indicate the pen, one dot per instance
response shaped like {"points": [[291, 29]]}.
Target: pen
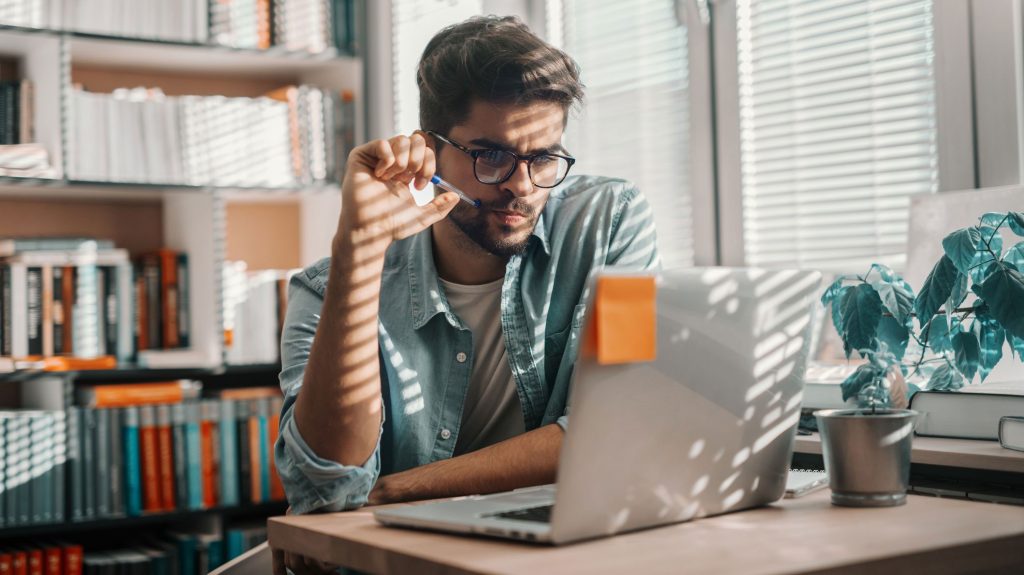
{"points": [[437, 181]]}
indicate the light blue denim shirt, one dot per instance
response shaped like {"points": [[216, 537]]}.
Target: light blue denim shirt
{"points": [[426, 352]]}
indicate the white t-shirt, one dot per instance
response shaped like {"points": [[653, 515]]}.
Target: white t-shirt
{"points": [[492, 411]]}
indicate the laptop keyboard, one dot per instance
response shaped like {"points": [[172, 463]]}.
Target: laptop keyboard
{"points": [[540, 514]]}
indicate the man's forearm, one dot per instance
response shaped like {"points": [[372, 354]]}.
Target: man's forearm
{"points": [[522, 461], [338, 410]]}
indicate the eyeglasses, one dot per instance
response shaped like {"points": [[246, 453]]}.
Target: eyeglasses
{"points": [[494, 166]]}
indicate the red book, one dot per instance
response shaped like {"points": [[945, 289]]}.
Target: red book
{"points": [[165, 456], [35, 562], [52, 560], [6, 563], [141, 313], [256, 486], [20, 563], [72, 559], [169, 296], [149, 457]]}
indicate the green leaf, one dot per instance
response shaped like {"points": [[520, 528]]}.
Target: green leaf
{"points": [[938, 335], [960, 246], [896, 294], [1016, 221], [1016, 344], [833, 291], [982, 266], [861, 378], [967, 352], [990, 337], [993, 219], [945, 378], [936, 290], [1015, 256], [862, 310], [895, 335], [1003, 291], [959, 293], [990, 239]]}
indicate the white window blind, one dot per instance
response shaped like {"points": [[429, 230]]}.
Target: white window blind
{"points": [[635, 124], [414, 23], [837, 119]]}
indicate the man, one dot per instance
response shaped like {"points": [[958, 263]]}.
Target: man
{"points": [[430, 355]]}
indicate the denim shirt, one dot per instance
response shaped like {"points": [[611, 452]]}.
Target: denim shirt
{"points": [[426, 352]]}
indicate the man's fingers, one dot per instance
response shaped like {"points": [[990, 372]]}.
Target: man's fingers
{"points": [[418, 219], [400, 149], [385, 157], [428, 169]]}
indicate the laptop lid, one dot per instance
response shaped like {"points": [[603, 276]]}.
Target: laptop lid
{"points": [[705, 428]]}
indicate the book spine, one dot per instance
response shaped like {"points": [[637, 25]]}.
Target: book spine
{"points": [[5, 311], [6, 563], [34, 287], [88, 462], [35, 562], [52, 560], [59, 494], [166, 456], [46, 321], [228, 453], [68, 302], [207, 437], [19, 564], [141, 309], [111, 310], [102, 467], [3, 470], [184, 314], [180, 455], [18, 308], [193, 452], [132, 461], [274, 429], [76, 485], [244, 460], [125, 313], [149, 457], [169, 297], [57, 291], [117, 475], [41, 457], [263, 459], [72, 559], [154, 303], [12, 435]]}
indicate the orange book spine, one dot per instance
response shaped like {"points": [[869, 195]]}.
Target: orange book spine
{"points": [[208, 472], [273, 430], [165, 457], [151, 499], [73, 559], [135, 394], [263, 24], [19, 565], [141, 314], [254, 459], [67, 286]]}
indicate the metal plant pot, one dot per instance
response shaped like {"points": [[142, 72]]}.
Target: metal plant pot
{"points": [[867, 455]]}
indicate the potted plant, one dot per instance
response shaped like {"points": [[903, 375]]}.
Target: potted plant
{"points": [[971, 304]]}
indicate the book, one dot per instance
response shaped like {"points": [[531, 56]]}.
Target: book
{"points": [[121, 395], [76, 483], [972, 413], [209, 431], [13, 246], [193, 454], [116, 476], [245, 472], [87, 434], [101, 465], [273, 431], [165, 457], [1011, 432], [149, 457], [180, 458], [228, 453], [132, 461]]}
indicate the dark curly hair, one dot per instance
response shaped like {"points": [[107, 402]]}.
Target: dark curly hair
{"points": [[493, 59]]}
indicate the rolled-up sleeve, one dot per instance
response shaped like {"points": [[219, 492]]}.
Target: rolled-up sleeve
{"points": [[311, 482]]}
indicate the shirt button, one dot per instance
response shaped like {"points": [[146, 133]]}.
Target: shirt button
{"points": [[460, 357], [445, 434]]}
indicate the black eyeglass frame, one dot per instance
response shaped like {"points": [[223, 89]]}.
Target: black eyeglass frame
{"points": [[519, 158]]}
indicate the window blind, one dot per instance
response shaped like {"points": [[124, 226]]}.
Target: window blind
{"points": [[635, 123], [414, 23], [837, 120]]}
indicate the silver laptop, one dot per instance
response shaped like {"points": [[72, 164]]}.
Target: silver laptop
{"points": [[706, 428]]}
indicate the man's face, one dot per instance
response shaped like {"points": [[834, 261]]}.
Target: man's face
{"points": [[509, 210]]}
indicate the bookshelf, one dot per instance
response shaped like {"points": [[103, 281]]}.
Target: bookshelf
{"points": [[284, 224]]}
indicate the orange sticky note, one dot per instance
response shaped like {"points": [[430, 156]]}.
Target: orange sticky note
{"points": [[624, 330]]}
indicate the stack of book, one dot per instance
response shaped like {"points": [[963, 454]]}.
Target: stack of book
{"points": [[178, 21], [255, 304], [65, 296], [39, 557], [142, 136], [241, 23], [303, 25], [157, 447], [32, 466], [81, 297]]}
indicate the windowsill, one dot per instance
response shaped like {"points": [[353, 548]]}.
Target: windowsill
{"points": [[966, 453]]}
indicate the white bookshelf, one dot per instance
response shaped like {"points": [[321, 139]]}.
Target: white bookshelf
{"points": [[193, 217]]}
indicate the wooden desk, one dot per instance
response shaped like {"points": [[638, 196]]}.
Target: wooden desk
{"points": [[806, 535], [966, 453]]}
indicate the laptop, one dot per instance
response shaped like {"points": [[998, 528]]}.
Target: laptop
{"points": [[705, 428]]}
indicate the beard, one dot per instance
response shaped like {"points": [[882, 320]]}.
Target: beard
{"points": [[503, 243]]}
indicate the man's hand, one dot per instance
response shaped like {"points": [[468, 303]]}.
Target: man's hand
{"points": [[376, 203]]}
